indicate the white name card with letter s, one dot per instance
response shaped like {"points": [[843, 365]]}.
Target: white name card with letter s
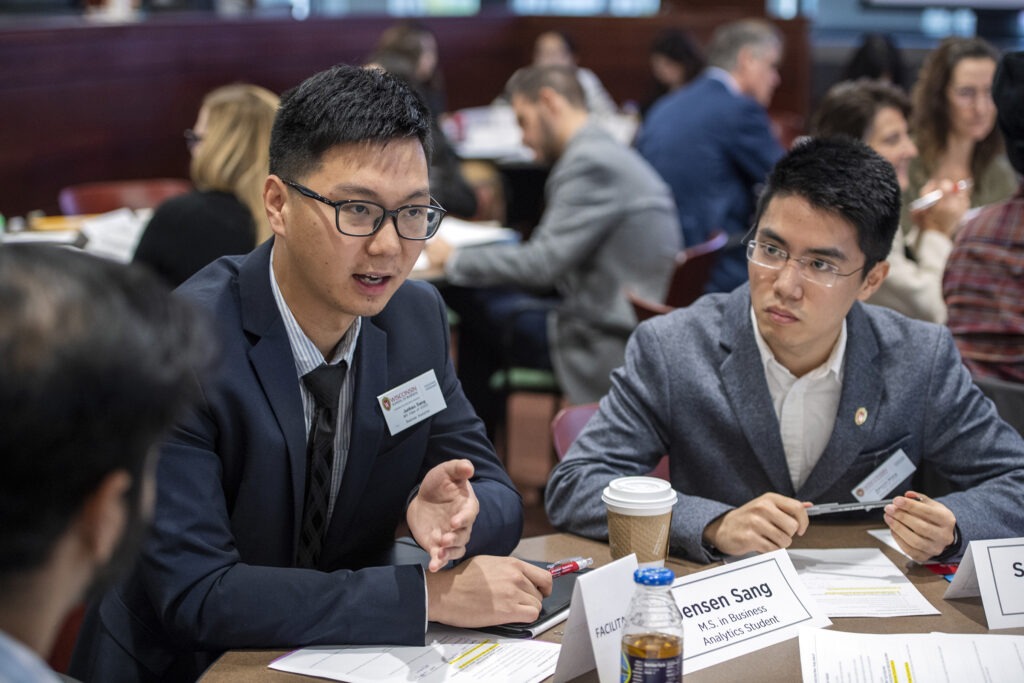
{"points": [[995, 570], [742, 607]]}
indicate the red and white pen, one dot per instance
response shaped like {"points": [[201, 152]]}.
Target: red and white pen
{"points": [[569, 566]]}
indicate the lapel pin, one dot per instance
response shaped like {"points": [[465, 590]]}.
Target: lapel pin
{"points": [[861, 416]]}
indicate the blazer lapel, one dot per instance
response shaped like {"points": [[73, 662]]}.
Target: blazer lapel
{"points": [[371, 368], [747, 390], [862, 392], [270, 356]]}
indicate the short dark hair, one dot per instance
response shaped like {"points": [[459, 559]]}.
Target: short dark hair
{"points": [[845, 177], [680, 47], [344, 105], [878, 58], [849, 108], [529, 81], [96, 360]]}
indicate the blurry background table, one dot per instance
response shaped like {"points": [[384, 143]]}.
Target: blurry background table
{"points": [[774, 664]]}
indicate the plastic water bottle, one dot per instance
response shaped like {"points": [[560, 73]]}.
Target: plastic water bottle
{"points": [[652, 643]]}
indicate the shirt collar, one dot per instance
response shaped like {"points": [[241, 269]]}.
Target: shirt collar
{"points": [[28, 663], [306, 354], [721, 75], [832, 365]]}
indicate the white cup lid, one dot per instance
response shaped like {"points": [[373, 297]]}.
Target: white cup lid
{"points": [[639, 493]]}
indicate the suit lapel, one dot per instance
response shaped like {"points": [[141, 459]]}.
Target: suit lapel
{"points": [[862, 392], [747, 389], [371, 368], [270, 355]]}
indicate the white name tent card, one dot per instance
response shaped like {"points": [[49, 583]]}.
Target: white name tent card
{"points": [[597, 614], [995, 570], [742, 607]]}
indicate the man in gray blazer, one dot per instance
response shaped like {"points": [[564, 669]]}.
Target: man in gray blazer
{"points": [[610, 222], [790, 391]]}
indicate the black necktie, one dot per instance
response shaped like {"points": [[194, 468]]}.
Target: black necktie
{"points": [[325, 384]]}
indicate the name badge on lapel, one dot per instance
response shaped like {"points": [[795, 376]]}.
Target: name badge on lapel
{"points": [[885, 478], [412, 402]]}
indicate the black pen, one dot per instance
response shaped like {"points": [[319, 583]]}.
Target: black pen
{"points": [[830, 508]]}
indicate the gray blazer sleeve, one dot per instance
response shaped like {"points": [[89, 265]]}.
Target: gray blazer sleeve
{"points": [[626, 437]]}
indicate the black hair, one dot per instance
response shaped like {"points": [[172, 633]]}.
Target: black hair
{"points": [[96, 360], [344, 105], [847, 178], [877, 58]]}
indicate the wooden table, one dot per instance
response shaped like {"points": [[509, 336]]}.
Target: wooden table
{"points": [[778, 663]]}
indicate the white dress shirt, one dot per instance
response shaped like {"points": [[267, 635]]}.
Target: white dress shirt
{"points": [[805, 406]]}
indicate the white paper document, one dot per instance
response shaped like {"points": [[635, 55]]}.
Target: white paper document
{"points": [[116, 234], [460, 233], [452, 655], [742, 607], [827, 656], [858, 582]]}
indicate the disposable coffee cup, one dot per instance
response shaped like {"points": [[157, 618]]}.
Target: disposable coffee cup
{"points": [[639, 518]]}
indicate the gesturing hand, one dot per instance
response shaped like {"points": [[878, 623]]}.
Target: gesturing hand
{"points": [[766, 523], [441, 515], [921, 526]]}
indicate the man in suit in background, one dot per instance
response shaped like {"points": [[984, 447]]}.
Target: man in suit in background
{"points": [[713, 143], [262, 538], [790, 391], [96, 360], [609, 224]]}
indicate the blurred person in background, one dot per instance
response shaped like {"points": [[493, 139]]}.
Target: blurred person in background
{"points": [[954, 127], [675, 60], [984, 281], [876, 113], [224, 215], [712, 141], [557, 48], [417, 43], [447, 183], [877, 58]]}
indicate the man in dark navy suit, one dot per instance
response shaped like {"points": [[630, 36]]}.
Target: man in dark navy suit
{"points": [[264, 539], [713, 144]]}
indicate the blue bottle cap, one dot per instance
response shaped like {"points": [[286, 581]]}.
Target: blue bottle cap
{"points": [[654, 576]]}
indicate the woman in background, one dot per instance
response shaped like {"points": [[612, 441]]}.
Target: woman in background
{"points": [[230, 144], [876, 113], [415, 42], [954, 125], [675, 61]]}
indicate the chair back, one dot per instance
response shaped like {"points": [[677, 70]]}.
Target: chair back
{"points": [[645, 308], [568, 424], [1008, 397], [693, 270], [100, 197]]}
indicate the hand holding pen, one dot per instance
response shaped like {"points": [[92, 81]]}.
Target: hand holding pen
{"points": [[573, 564]]}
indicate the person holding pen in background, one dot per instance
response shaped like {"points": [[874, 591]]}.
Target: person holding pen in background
{"points": [[791, 391]]}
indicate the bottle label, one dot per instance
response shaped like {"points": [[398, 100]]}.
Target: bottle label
{"points": [[647, 670]]}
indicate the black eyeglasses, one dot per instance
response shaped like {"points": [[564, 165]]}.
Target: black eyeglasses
{"points": [[192, 138], [361, 218]]}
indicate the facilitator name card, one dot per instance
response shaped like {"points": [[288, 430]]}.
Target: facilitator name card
{"points": [[742, 607]]}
